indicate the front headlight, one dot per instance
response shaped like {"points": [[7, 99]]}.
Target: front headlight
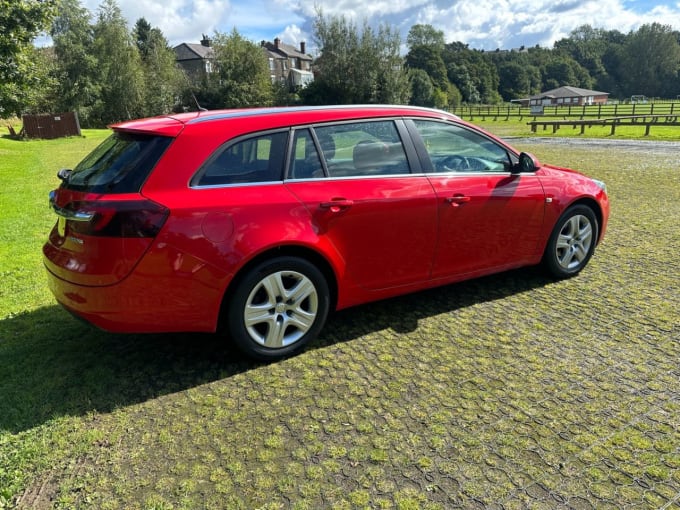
{"points": [[601, 185]]}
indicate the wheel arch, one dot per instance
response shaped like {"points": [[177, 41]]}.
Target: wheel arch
{"points": [[301, 252], [597, 210]]}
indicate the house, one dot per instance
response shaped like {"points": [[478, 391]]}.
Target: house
{"points": [[566, 96], [288, 64], [196, 59]]}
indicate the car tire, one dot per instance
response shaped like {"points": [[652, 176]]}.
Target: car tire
{"points": [[572, 242], [277, 308]]}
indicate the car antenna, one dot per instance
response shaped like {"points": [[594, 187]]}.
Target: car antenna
{"points": [[200, 108]]}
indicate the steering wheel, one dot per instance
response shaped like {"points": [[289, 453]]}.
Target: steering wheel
{"points": [[454, 163]]}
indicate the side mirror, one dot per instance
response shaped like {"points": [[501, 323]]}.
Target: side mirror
{"points": [[528, 163]]}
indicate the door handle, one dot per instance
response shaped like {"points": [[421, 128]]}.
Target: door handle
{"points": [[337, 204], [457, 200]]}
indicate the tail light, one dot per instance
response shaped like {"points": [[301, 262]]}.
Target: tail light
{"points": [[116, 218]]}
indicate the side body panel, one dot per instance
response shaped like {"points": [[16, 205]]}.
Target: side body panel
{"points": [[486, 222]]}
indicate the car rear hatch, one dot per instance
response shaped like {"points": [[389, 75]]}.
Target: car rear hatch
{"points": [[104, 224]]}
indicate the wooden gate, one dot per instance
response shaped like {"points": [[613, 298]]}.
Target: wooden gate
{"points": [[51, 126]]}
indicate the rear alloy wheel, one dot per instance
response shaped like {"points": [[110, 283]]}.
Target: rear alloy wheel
{"points": [[278, 307], [572, 242]]}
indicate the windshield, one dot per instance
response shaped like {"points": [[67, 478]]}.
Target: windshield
{"points": [[120, 164]]}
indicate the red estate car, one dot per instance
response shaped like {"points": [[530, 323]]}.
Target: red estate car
{"points": [[264, 220]]}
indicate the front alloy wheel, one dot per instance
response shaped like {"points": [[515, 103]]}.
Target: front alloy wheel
{"points": [[278, 307], [572, 242]]}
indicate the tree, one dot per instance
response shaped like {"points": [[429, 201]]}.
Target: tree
{"points": [[242, 72], [422, 90], [143, 35], [562, 71], [20, 76], [381, 55], [75, 70], [118, 68], [652, 61], [460, 76], [426, 46], [516, 79], [472, 72], [429, 59], [163, 81], [356, 66], [425, 35]]}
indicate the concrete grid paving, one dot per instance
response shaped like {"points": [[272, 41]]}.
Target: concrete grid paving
{"points": [[508, 392]]}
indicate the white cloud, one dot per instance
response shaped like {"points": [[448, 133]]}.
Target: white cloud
{"points": [[483, 24]]}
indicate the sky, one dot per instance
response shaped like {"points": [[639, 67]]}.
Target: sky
{"points": [[482, 24]]}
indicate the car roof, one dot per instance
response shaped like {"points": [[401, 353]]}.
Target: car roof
{"points": [[173, 124]]}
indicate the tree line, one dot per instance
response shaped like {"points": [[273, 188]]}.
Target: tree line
{"points": [[107, 71]]}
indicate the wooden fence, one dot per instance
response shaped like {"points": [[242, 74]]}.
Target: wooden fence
{"points": [[600, 111], [629, 120], [51, 126]]}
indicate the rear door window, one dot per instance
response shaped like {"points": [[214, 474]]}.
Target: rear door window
{"points": [[362, 149], [304, 159], [120, 164]]}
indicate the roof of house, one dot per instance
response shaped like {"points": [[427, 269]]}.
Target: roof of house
{"points": [[569, 92], [272, 54], [284, 50], [203, 52]]}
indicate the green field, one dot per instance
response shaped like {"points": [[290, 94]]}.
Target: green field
{"points": [[511, 391]]}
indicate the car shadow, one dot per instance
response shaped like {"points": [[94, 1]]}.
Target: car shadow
{"points": [[53, 365], [402, 314]]}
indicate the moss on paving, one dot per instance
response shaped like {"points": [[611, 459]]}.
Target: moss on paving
{"points": [[511, 391]]}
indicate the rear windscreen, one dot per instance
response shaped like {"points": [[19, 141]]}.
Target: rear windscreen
{"points": [[120, 164]]}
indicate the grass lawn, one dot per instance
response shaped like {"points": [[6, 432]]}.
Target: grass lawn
{"points": [[509, 391]]}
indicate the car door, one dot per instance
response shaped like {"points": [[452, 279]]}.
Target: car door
{"points": [[488, 217], [362, 196]]}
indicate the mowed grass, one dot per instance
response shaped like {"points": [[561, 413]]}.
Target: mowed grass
{"points": [[511, 390], [28, 171]]}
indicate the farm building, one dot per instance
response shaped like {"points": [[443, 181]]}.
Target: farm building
{"points": [[567, 96]]}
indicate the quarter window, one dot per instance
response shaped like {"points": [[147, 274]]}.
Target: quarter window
{"points": [[251, 160], [362, 149], [456, 149]]}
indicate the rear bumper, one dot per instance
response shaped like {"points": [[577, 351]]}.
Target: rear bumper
{"points": [[146, 301]]}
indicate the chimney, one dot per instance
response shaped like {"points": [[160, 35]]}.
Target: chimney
{"points": [[303, 47], [205, 41], [277, 41]]}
